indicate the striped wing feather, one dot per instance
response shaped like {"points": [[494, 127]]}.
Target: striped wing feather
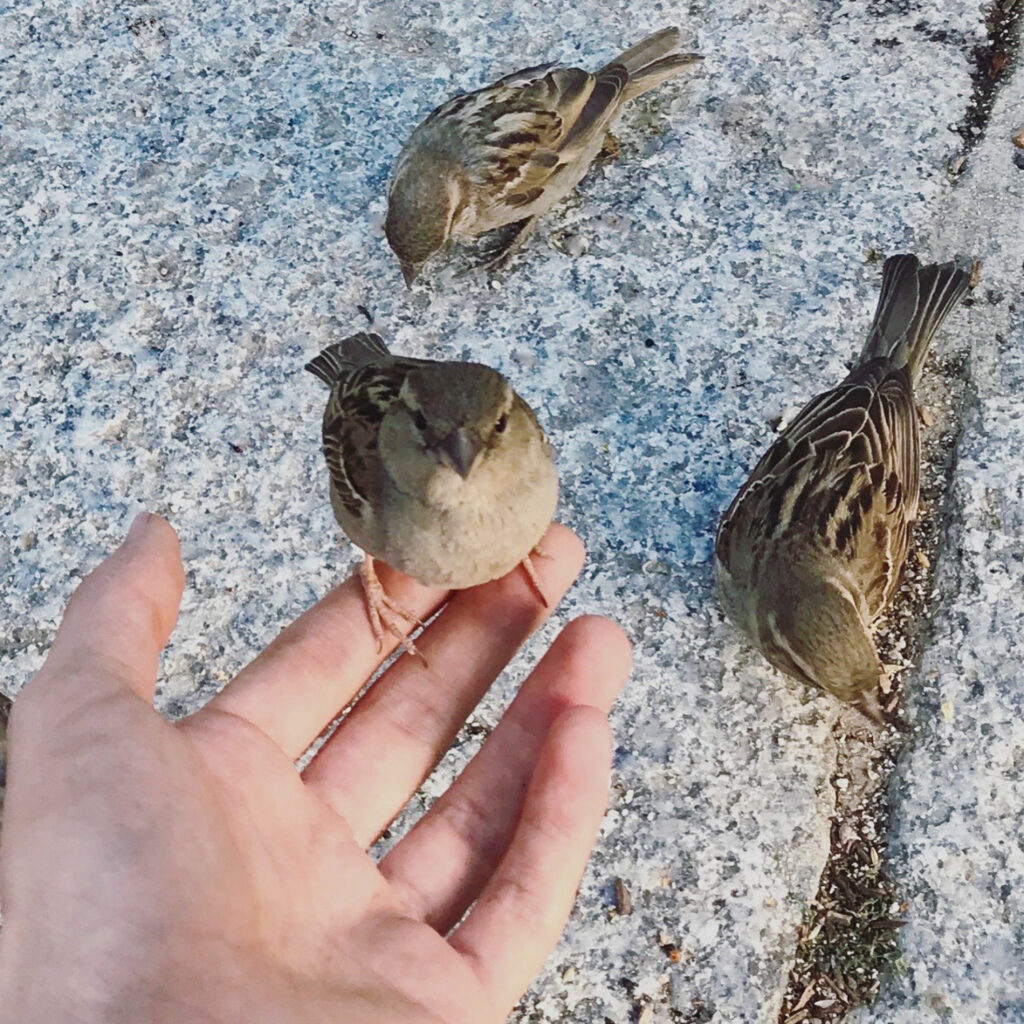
{"points": [[355, 409], [843, 478], [518, 133]]}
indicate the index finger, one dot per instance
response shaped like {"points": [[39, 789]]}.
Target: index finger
{"points": [[116, 623], [318, 663]]}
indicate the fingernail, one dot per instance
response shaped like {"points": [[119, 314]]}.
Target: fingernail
{"points": [[138, 527]]}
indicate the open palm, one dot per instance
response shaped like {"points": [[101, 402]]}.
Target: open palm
{"points": [[172, 872]]}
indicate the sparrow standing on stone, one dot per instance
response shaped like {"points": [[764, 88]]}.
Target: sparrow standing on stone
{"points": [[437, 468], [810, 550], [503, 155]]}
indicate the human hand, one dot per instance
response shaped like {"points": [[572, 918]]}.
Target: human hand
{"points": [[188, 872]]}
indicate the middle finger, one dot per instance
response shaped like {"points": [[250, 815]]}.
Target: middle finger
{"points": [[396, 733]]}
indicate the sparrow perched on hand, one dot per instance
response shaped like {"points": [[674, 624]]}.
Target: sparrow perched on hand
{"points": [[810, 550], [506, 153], [438, 468]]}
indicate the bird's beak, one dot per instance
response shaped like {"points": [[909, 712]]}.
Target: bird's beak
{"points": [[410, 271], [460, 450]]}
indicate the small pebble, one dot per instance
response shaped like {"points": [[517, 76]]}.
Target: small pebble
{"points": [[623, 898], [576, 246]]}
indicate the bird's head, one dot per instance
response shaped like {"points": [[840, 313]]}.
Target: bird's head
{"points": [[813, 629], [457, 432], [423, 201]]}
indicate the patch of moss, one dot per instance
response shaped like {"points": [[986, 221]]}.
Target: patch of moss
{"points": [[849, 941]]}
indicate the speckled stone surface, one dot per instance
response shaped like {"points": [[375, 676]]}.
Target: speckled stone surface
{"points": [[958, 837], [191, 206]]}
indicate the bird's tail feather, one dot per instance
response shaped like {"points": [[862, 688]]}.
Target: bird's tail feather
{"points": [[340, 359], [640, 68], [651, 48], [914, 301], [651, 61]]}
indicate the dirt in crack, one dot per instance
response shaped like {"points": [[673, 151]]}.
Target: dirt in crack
{"points": [[994, 62], [849, 940], [849, 944]]}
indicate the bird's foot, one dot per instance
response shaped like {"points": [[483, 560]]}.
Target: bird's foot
{"points": [[504, 243], [380, 610], [531, 573], [542, 552], [611, 148]]}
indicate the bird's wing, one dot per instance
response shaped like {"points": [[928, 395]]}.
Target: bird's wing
{"points": [[515, 136], [355, 410], [844, 476]]}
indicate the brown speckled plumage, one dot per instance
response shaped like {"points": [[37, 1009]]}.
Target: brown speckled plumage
{"points": [[810, 551], [438, 468], [502, 155]]}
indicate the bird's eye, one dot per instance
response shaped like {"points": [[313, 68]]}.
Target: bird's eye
{"points": [[420, 420], [499, 427]]}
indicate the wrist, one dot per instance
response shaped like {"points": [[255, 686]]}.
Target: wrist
{"points": [[41, 985], [35, 990]]}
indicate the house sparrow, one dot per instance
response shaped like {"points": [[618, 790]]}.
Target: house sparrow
{"points": [[810, 550], [503, 155], [438, 468]]}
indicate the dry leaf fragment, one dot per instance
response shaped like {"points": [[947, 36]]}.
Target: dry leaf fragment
{"points": [[623, 899], [805, 998], [889, 673]]}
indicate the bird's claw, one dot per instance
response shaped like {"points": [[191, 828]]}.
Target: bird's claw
{"points": [[531, 574], [378, 607]]}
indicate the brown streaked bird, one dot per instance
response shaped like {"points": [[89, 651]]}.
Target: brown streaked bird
{"points": [[438, 469], [809, 553], [501, 156]]}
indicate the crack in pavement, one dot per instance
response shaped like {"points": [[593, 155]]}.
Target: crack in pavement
{"points": [[849, 919]]}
